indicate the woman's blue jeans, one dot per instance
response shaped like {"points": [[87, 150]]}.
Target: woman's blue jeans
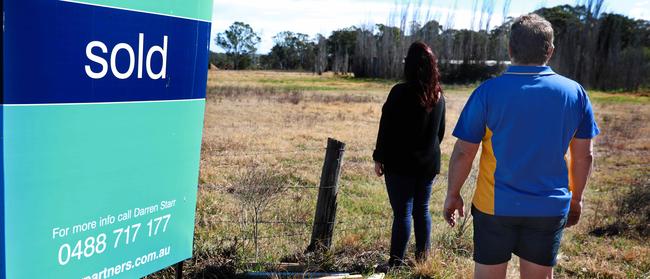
{"points": [[409, 197]]}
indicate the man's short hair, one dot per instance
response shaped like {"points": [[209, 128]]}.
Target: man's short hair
{"points": [[531, 38]]}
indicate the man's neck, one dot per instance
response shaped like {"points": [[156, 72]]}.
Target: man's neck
{"points": [[528, 65]]}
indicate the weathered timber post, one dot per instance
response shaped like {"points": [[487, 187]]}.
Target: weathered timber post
{"points": [[325, 218], [179, 270]]}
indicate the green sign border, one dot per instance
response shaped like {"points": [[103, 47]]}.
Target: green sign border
{"points": [[202, 10]]}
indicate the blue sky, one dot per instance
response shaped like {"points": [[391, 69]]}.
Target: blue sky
{"points": [[268, 17]]}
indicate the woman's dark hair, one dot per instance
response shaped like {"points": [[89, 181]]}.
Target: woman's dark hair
{"points": [[421, 67]]}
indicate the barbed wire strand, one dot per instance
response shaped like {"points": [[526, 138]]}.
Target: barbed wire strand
{"points": [[346, 226], [276, 152]]}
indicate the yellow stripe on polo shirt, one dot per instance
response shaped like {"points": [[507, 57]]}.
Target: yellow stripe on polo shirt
{"points": [[568, 166], [484, 195]]}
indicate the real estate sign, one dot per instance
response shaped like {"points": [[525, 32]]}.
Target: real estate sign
{"points": [[101, 121]]}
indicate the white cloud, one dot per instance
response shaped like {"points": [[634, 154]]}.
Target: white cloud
{"points": [[268, 17], [309, 17], [641, 10], [323, 16]]}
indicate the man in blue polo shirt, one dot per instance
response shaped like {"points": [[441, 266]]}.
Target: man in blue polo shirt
{"points": [[527, 190]]}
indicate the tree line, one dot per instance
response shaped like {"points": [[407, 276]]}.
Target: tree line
{"points": [[605, 51]]}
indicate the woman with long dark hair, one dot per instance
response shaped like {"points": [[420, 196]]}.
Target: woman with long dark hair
{"points": [[408, 150]]}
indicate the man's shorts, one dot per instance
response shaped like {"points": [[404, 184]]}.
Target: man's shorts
{"points": [[535, 239]]}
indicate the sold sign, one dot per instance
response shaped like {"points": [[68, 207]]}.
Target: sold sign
{"points": [[124, 47], [101, 135]]}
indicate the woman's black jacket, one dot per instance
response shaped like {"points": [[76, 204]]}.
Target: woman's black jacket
{"points": [[408, 142]]}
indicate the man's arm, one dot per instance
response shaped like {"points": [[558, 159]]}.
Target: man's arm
{"points": [[580, 169], [460, 166]]}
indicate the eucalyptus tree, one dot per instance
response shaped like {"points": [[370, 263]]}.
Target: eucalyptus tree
{"points": [[240, 43]]}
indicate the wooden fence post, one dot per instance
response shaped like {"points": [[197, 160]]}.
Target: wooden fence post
{"points": [[179, 270], [325, 218]]}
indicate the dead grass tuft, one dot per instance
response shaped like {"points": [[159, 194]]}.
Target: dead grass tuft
{"points": [[633, 214], [266, 93]]}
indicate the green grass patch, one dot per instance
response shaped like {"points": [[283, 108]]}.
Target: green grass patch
{"points": [[619, 98]]}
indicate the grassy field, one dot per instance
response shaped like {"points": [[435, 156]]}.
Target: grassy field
{"points": [[275, 125]]}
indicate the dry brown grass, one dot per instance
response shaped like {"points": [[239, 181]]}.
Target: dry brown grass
{"points": [[282, 121], [611, 240]]}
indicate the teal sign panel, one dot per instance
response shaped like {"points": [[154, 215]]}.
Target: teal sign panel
{"points": [[101, 119]]}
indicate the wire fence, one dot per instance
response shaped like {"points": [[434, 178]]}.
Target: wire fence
{"points": [[289, 228], [305, 235], [234, 160]]}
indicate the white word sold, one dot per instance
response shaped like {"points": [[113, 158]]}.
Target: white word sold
{"points": [[97, 46]]}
